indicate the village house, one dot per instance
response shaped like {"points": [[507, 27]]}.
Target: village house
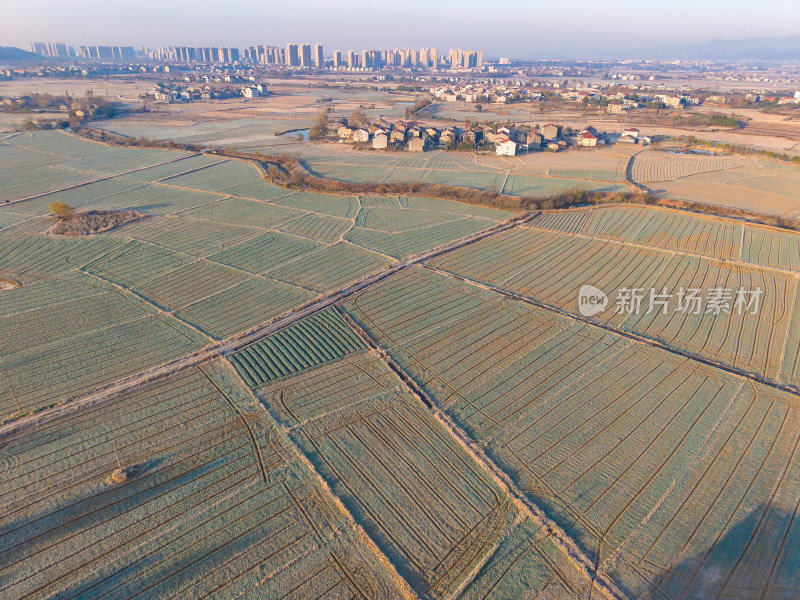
{"points": [[492, 137], [416, 144], [474, 136], [588, 137], [532, 139], [380, 141], [506, 147], [432, 133], [361, 135], [450, 136], [551, 132], [629, 135], [397, 136], [344, 132]]}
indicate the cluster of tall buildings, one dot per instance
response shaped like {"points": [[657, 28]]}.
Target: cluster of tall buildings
{"points": [[50, 49], [377, 59], [61, 50], [466, 59], [292, 55], [191, 54], [306, 55]]}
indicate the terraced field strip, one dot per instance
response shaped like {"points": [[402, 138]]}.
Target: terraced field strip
{"points": [[652, 166], [85, 182], [657, 227], [327, 389], [436, 515], [64, 369], [41, 257]]}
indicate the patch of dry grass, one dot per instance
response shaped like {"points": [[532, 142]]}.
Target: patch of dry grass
{"points": [[94, 221]]}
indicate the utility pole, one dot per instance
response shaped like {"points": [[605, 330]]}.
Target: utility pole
{"points": [[13, 393], [119, 464]]}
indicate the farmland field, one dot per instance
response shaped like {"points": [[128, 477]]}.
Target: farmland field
{"points": [[219, 504], [654, 465], [216, 236], [423, 499], [260, 392], [761, 343]]}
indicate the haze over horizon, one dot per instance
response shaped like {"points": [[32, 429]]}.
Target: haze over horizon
{"points": [[515, 28]]}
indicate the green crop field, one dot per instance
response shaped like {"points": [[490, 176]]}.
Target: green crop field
{"points": [[58, 370], [418, 494], [407, 243], [335, 206], [656, 469], [523, 262], [243, 306], [312, 342], [219, 506], [397, 219], [318, 227], [265, 252], [652, 166], [330, 268], [303, 408]]}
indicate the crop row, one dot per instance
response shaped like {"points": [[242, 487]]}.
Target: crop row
{"points": [[216, 177], [661, 166], [668, 471], [419, 495], [330, 268], [34, 328], [177, 166], [454, 208], [243, 212], [335, 206], [198, 237], [404, 244], [395, 219], [136, 262], [65, 288], [739, 334], [205, 515], [528, 561], [266, 252], [327, 388], [191, 283], [243, 306], [318, 227], [663, 229], [37, 377], [771, 248], [312, 342], [41, 257], [526, 185]]}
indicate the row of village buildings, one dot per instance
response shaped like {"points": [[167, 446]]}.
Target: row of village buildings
{"points": [[417, 137], [500, 93]]}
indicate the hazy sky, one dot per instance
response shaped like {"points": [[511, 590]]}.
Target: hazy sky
{"points": [[499, 27]]}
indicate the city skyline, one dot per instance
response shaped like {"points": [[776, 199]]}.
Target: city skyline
{"points": [[574, 26]]}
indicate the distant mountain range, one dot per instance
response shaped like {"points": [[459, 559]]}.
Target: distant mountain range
{"points": [[771, 48], [10, 54]]}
